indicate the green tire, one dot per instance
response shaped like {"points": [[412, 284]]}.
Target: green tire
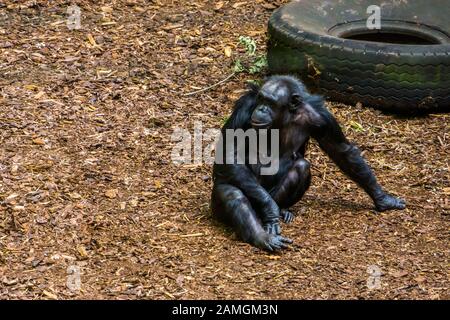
{"points": [[402, 67]]}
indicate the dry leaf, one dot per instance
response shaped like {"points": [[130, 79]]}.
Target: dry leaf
{"points": [[11, 198], [107, 9], [238, 4], [50, 295], [39, 141], [228, 52], [82, 251], [91, 40], [111, 193], [14, 168], [172, 26], [420, 279], [139, 9], [31, 87], [399, 274], [75, 195], [39, 95], [269, 6]]}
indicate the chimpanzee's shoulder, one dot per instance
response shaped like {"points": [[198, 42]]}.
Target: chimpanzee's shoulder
{"points": [[318, 104]]}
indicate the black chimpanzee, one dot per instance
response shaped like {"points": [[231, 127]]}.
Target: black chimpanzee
{"points": [[254, 203]]}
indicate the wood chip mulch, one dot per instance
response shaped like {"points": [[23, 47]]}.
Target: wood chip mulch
{"points": [[86, 118]]}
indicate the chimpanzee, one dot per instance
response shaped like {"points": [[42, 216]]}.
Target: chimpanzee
{"points": [[254, 203]]}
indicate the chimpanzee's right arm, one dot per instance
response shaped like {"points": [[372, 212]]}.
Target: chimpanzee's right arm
{"points": [[240, 175]]}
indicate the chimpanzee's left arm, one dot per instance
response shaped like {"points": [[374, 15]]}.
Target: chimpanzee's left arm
{"points": [[349, 159]]}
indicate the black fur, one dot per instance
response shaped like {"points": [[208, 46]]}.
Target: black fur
{"points": [[253, 203]]}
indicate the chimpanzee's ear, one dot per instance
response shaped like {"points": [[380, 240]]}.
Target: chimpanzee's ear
{"points": [[296, 102]]}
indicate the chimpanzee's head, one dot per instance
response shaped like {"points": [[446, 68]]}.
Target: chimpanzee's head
{"points": [[278, 102]]}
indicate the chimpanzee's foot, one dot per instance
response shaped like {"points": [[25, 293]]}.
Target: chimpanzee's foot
{"points": [[287, 215], [388, 202], [271, 242]]}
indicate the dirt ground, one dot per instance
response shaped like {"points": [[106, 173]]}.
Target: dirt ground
{"points": [[87, 181]]}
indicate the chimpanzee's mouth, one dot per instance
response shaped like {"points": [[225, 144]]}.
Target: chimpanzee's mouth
{"points": [[260, 125]]}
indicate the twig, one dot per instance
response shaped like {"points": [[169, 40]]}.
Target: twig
{"points": [[212, 86]]}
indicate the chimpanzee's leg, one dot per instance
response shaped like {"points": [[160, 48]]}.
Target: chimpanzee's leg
{"points": [[292, 187], [232, 206]]}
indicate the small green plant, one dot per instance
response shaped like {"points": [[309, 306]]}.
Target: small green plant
{"points": [[238, 67], [259, 65], [250, 62], [249, 43], [356, 126], [224, 120]]}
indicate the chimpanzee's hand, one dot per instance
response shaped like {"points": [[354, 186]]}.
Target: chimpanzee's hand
{"points": [[388, 202], [271, 242], [287, 216], [272, 228]]}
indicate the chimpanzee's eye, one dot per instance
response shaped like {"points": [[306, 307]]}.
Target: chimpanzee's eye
{"points": [[296, 99]]}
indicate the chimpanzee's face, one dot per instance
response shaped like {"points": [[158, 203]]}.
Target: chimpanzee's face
{"points": [[277, 104]]}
